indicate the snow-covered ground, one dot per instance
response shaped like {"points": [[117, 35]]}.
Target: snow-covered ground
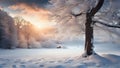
{"points": [[70, 57]]}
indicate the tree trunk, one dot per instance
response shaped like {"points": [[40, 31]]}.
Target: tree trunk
{"points": [[88, 35], [89, 28]]}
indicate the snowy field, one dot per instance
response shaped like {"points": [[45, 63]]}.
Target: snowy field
{"points": [[70, 57]]}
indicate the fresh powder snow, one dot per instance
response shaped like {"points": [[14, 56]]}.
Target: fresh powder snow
{"points": [[107, 56]]}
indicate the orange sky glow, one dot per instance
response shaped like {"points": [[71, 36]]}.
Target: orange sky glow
{"points": [[37, 16]]}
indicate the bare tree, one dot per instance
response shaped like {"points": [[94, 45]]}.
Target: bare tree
{"points": [[19, 23], [85, 8], [89, 28], [23, 28], [27, 32]]}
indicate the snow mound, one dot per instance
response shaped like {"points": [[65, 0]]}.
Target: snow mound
{"points": [[97, 60], [112, 58]]}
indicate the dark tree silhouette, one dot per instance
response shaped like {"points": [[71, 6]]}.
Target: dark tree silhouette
{"points": [[67, 11], [89, 28]]}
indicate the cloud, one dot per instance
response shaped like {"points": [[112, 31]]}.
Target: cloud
{"points": [[39, 3], [33, 14]]}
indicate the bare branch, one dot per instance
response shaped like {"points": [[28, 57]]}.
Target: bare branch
{"points": [[97, 8], [108, 25], [76, 15]]}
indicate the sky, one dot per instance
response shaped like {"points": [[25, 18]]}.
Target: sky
{"points": [[31, 10], [34, 11]]}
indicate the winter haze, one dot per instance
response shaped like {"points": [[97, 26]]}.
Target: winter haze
{"points": [[59, 33]]}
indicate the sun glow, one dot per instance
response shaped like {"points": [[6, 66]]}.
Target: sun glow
{"points": [[37, 16], [40, 23], [43, 24]]}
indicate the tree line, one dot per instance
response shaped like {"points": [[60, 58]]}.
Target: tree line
{"points": [[18, 33]]}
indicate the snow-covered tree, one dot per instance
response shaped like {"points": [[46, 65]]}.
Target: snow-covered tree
{"points": [[8, 34], [30, 36], [24, 29], [83, 13]]}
